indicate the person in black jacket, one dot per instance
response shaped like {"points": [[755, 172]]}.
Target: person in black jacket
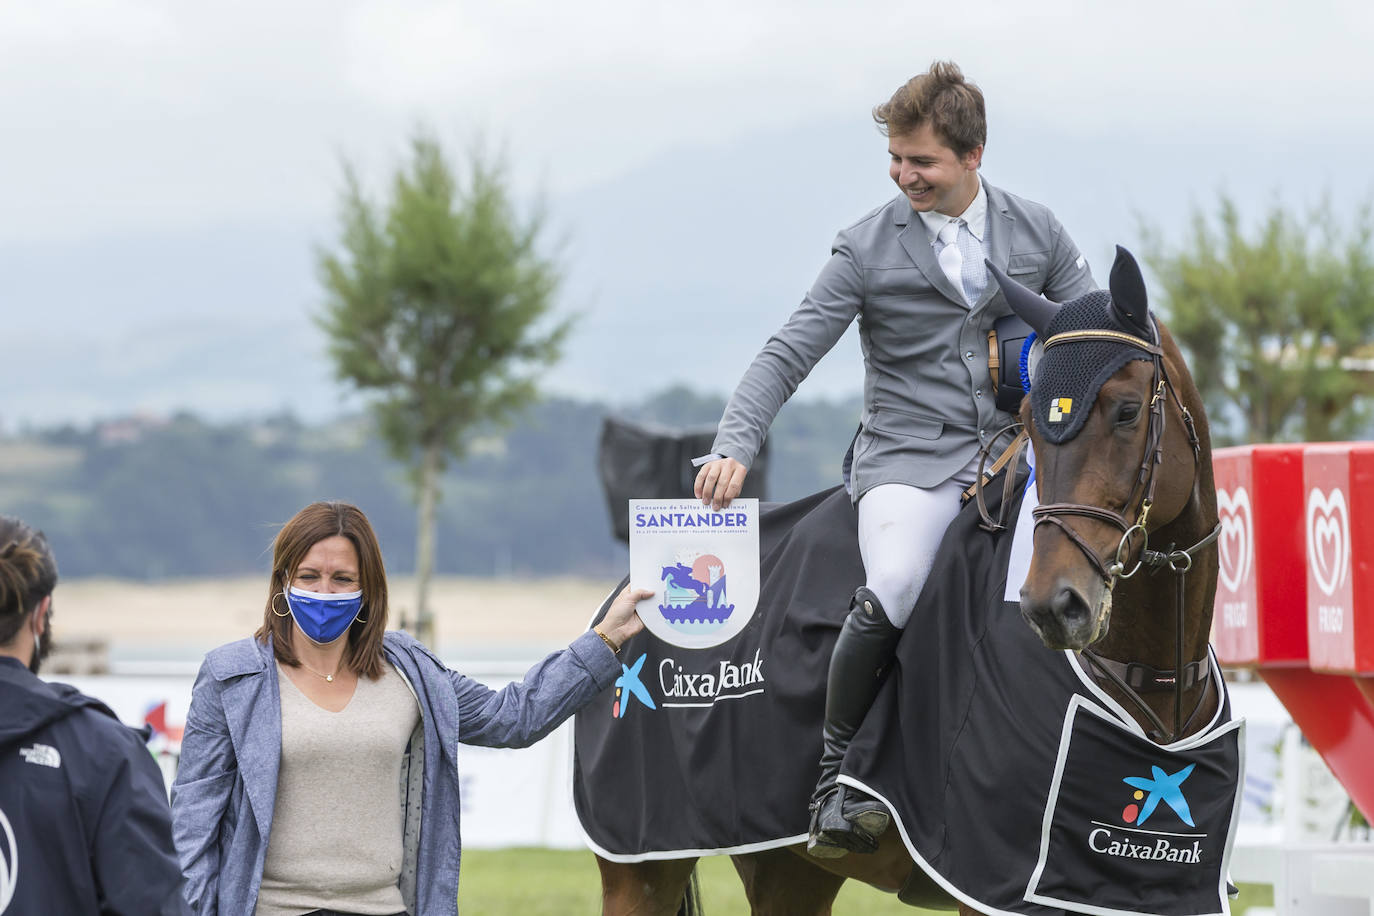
{"points": [[84, 822]]}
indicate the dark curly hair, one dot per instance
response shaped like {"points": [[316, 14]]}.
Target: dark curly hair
{"points": [[28, 574]]}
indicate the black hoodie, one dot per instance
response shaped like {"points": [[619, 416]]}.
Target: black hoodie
{"points": [[84, 823]]}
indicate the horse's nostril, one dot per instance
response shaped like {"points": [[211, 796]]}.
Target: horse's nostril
{"points": [[1069, 607]]}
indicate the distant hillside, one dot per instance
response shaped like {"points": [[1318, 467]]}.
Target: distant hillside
{"points": [[157, 498]]}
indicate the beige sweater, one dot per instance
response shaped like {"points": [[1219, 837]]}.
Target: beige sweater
{"points": [[336, 827]]}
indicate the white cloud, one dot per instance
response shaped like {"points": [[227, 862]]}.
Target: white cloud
{"points": [[141, 121], [160, 113]]}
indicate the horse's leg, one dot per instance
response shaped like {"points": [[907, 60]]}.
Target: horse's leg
{"points": [[653, 888], [886, 869], [779, 883]]}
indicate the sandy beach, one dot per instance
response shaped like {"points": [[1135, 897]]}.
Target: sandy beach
{"points": [[474, 618]]}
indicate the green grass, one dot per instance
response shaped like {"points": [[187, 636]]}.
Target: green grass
{"points": [[549, 882]]}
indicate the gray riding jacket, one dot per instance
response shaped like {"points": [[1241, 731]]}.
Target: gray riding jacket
{"points": [[928, 404]]}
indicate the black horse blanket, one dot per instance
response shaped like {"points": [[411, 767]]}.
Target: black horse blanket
{"points": [[1017, 785]]}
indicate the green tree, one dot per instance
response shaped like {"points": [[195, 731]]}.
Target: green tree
{"points": [[438, 308], [1276, 320]]}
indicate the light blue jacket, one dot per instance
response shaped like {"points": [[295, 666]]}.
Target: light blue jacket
{"points": [[226, 785]]}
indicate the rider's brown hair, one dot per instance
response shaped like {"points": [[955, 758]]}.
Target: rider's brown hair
{"points": [[942, 98]]}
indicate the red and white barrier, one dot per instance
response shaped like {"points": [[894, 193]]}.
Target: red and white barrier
{"points": [[1295, 604]]}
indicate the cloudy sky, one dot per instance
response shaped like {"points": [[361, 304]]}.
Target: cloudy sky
{"points": [[170, 169]]}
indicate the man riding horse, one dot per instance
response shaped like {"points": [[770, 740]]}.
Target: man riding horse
{"points": [[1064, 767], [926, 306]]}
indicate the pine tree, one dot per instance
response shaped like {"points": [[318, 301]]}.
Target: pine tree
{"points": [[439, 310]]}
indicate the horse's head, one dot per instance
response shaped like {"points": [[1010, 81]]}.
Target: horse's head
{"points": [[1108, 467]]}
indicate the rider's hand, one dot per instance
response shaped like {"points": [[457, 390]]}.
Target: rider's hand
{"points": [[719, 481], [622, 620]]}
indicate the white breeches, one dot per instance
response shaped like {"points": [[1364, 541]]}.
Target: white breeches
{"points": [[900, 528]]}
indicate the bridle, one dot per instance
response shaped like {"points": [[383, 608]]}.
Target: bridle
{"points": [[1179, 561], [1055, 513]]}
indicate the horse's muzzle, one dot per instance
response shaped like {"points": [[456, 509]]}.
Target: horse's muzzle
{"points": [[1066, 619]]}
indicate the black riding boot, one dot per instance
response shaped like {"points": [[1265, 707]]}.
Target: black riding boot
{"points": [[843, 820]]}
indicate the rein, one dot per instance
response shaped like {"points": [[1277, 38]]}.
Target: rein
{"points": [[1148, 679], [1183, 676]]}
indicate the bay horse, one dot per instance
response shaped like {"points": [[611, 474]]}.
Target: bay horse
{"points": [[1120, 574]]}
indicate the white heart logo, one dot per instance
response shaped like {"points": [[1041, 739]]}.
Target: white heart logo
{"points": [[1328, 539], [1235, 547]]}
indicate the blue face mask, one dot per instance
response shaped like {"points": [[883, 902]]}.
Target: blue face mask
{"points": [[323, 617]]}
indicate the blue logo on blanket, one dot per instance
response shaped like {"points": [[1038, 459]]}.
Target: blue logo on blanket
{"points": [[1163, 788], [629, 685], [694, 598]]}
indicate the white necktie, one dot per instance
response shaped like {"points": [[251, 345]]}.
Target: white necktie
{"points": [[950, 258], [962, 260]]}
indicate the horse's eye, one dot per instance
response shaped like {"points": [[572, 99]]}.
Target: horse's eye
{"points": [[1127, 415]]}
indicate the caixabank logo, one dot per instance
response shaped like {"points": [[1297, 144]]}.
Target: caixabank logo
{"points": [[680, 686], [1130, 841], [630, 687], [1134, 827]]}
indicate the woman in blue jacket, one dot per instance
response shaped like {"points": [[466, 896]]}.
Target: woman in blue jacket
{"points": [[319, 764]]}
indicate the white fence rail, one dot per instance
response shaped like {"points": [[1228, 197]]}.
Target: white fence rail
{"points": [[1296, 833]]}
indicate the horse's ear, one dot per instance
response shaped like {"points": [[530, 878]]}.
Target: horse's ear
{"points": [[1034, 310], [1129, 304]]}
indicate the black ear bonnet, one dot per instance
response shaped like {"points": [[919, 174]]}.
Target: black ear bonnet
{"points": [[1066, 379]]}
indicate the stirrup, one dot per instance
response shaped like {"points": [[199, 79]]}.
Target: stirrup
{"points": [[819, 843], [834, 834], [873, 819]]}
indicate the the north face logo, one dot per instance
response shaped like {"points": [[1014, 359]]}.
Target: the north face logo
{"points": [[42, 754]]}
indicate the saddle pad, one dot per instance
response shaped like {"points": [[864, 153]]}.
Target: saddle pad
{"points": [[965, 739], [715, 750], [1131, 826]]}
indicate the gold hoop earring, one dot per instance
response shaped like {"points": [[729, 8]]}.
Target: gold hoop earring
{"points": [[360, 619], [274, 605]]}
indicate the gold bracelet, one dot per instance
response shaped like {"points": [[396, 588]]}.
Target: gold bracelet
{"points": [[615, 650]]}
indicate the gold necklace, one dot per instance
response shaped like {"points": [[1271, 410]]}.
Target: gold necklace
{"points": [[327, 677]]}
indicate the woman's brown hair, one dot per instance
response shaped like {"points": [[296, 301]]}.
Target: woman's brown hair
{"points": [[311, 525]]}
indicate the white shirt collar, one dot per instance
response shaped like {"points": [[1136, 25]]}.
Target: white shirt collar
{"points": [[976, 215]]}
